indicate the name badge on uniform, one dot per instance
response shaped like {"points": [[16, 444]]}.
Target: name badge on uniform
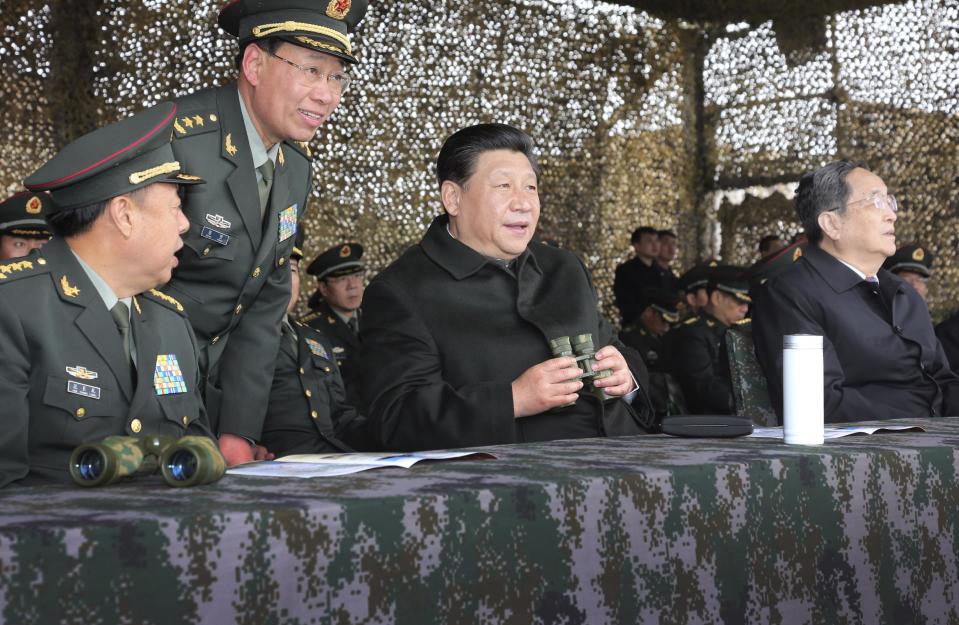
{"points": [[218, 221], [84, 390], [167, 378], [287, 223], [317, 349], [215, 235]]}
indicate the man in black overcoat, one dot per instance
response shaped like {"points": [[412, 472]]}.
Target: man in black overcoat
{"points": [[882, 359]]}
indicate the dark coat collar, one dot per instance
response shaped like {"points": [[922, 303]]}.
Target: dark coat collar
{"points": [[840, 277], [458, 259]]}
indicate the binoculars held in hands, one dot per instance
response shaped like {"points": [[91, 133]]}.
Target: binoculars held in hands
{"points": [[189, 461], [581, 348]]}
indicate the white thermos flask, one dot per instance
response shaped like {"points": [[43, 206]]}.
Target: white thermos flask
{"points": [[802, 389]]}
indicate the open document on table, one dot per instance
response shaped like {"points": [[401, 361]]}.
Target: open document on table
{"points": [[327, 465], [838, 431]]}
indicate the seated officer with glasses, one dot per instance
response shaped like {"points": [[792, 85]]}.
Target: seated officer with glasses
{"points": [[249, 141], [340, 281], [881, 357]]}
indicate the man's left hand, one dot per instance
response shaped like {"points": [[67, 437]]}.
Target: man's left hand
{"points": [[621, 381]]}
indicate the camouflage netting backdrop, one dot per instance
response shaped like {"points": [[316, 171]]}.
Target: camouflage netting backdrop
{"points": [[699, 127]]}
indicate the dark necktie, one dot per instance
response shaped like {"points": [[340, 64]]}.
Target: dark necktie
{"points": [[266, 170], [354, 324], [121, 316]]}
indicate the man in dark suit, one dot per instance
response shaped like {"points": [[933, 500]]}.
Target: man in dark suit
{"points": [[90, 348], [340, 279], [308, 412], [22, 228], [456, 336], [697, 348], [881, 357], [249, 141], [638, 273]]}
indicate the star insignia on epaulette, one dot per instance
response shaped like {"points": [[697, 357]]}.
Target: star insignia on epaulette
{"points": [[188, 122], [18, 265], [690, 321], [197, 120], [68, 289], [228, 144], [330, 320]]}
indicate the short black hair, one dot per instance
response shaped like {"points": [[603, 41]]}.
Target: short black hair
{"points": [[666, 233], [69, 223], [766, 240], [270, 44], [823, 190], [639, 232], [460, 152]]}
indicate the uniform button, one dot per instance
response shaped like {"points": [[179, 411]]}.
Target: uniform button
{"points": [[81, 412], [41, 261], [281, 261], [302, 372], [214, 340], [327, 369], [136, 426], [898, 330], [314, 414], [206, 251], [186, 420], [308, 393], [256, 272], [238, 309]]}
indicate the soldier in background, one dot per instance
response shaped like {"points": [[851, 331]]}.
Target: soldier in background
{"points": [[307, 412], [692, 284], [340, 281], [659, 314], [637, 273], [912, 263], [22, 228], [698, 349], [667, 253]]}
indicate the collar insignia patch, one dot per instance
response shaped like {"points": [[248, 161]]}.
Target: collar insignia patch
{"points": [[68, 290]]}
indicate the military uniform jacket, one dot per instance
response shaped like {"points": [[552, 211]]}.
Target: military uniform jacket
{"points": [[446, 331], [666, 398], [63, 374], [307, 410], [232, 278], [701, 365], [881, 357], [346, 344], [630, 279]]}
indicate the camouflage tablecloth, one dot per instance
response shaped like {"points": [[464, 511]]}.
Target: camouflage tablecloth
{"points": [[631, 530]]}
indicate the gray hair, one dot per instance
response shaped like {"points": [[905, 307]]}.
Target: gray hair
{"points": [[821, 191]]}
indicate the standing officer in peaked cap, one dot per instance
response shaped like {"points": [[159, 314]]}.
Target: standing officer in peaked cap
{"points": [[249, 141], [698, 348], [340, 276], [90, 348], [22, 227]]}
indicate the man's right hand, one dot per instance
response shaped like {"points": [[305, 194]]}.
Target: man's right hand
{"points": [[547, 385], [235, 449]]}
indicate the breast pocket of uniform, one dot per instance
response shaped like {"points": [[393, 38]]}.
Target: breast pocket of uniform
{"points": [[180, 409], [212, 241], [88, 409]]}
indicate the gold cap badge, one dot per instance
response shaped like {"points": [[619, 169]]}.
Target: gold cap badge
{"points": [[345, 251], [337, 9], [918, 255], [34, 205]]}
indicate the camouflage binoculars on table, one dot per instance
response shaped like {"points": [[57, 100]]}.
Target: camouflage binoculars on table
{"points": [[189, 461], [581, 348]]}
